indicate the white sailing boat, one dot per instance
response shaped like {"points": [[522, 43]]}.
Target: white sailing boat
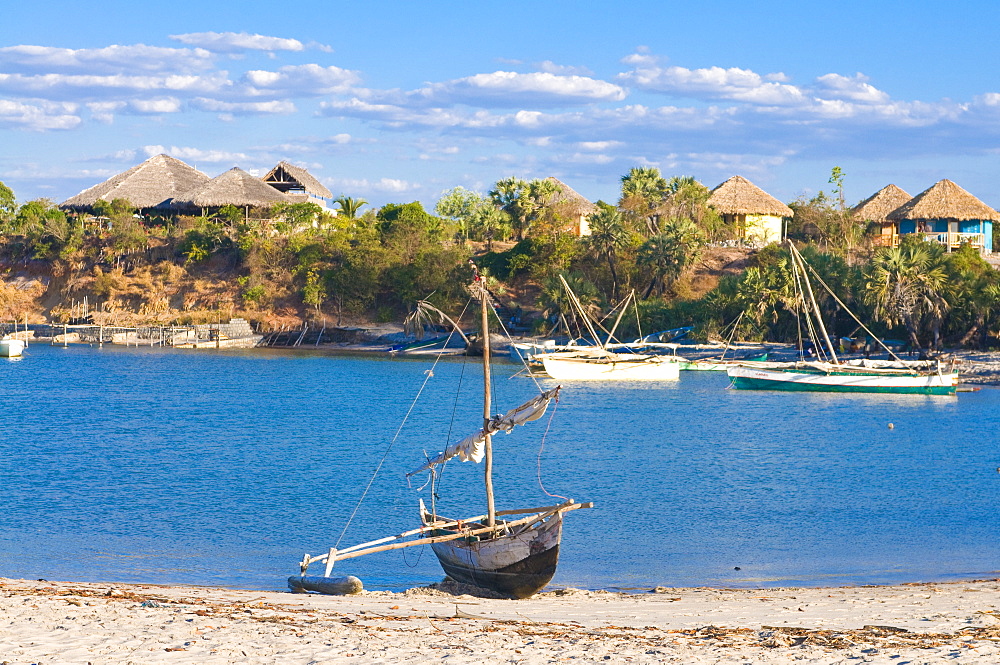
{"points": [[511, 552], [11, 347], [601, 363], [829, 374]]}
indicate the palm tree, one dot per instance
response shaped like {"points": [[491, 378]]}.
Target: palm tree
{"points": [[349, 206], [643, 188], [608, 234], [905, 284], [669, 253], [557, 306], [489, 223], [510, 195]]}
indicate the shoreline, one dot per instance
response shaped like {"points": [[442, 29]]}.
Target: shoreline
{"points": [[68, 622]]}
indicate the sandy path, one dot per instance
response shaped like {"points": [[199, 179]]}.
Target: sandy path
{"points": [[49, 622]]}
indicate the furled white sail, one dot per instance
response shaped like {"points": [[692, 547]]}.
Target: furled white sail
{"points": [[473, 447]]}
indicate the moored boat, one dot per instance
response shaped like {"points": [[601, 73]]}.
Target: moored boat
{"points": [[510, 552], [837, 377], [829, 373], [11, 347]]}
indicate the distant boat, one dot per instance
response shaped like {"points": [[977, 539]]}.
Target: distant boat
{"points": [[609, 362], [602, 365], [516, 556], [11, 347], [829, 374], [720, 364]]}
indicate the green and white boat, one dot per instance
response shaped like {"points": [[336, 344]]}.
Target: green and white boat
{"points": [[828, 373], [843, 378]]}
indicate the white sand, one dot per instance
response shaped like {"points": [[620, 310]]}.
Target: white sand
{"points": [[69, 623]]}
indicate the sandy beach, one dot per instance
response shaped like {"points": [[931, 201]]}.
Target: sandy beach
{"points": [[66, 622]]}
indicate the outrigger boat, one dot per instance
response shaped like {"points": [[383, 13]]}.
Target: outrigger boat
{"points": [[609, 362], [511, 552], [829, 374]]}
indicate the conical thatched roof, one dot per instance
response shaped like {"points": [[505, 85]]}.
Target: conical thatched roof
{"points": [[285, 176], [876, 208], [945, 200], [570, 198], [234, 187], [151, 184], [739, 196]]}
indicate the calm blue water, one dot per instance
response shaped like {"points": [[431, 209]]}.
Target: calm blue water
{"points": [[223, 468]]}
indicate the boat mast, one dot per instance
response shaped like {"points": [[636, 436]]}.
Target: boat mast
{"points": [[484, 335], [799, 264]]}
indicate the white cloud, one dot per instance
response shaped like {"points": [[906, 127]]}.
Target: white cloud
{"points": [[196, 154], [245, 108], [38, 116], [714, 83], [855, 88], [511, 89], [104, 111], [552, 68], [300, 80], [109, 59], [382, 185], [84, 85], [599, 146], [163, 105], [234, 42]]}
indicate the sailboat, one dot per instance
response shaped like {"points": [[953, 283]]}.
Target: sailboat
{"points": [[832, 375], [510, 552], [603, 363]]}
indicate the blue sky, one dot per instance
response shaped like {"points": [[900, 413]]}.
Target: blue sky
{"points": [[399, 101]]}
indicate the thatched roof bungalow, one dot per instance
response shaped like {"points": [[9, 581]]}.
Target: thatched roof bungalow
{"points": [[757, 215], [570, 203], [298, 183], [235, 187], [947, 214], [876, 208], [151, 185]]}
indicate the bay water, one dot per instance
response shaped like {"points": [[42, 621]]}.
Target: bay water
{"points": [[224, 467]]}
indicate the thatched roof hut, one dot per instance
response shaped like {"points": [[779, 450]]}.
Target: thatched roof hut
{"points": [[570, 198], [945, 200], [152, 184], [739, 196], [234, 187], [876, 208], [572, 204], [287, 178]]}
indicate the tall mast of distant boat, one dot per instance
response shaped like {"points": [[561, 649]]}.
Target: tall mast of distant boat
{"points": [[484, 336]]}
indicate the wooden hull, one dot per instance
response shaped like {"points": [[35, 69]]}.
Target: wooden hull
{"points": [[639, 368], [842, 380], [516, 565]]}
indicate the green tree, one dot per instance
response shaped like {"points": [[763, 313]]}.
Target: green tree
{"points": [[511, 196], [8, 206], [349, 206], [558, 308], [666, 255], [460, 205], [905, 285], [643, 189], [608, 235]]}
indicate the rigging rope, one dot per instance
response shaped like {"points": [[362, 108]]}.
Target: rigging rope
{"points": [[428, 375], [541, 447]]}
